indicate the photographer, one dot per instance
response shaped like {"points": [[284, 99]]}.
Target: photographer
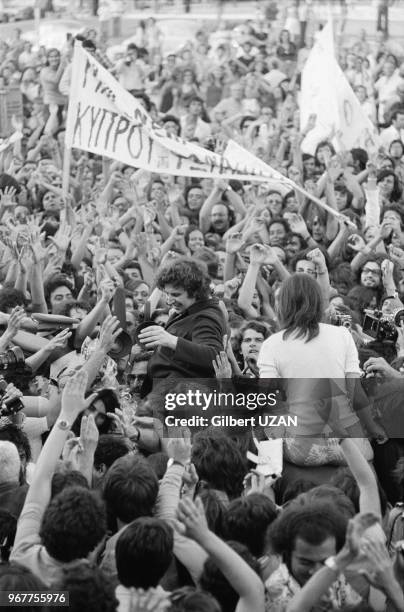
{"points": [[130, 71]]}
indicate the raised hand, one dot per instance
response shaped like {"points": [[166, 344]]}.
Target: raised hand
{"points": [[152, 600], [356, 242], [396, 254], [107, 290], [7, 197], [179, 449], [382, 574], [192, 519], [89, 434], [14, 322], [59, 341], [387, 273], [271, 256], [318, 258], [222, 366], [297, 224], [234, 243], [110, 330], [73, 396], [258, 254]]}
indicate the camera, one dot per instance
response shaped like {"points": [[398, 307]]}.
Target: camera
{"points": [[13, 359], [8, 405], [382, 327], [341, 320]]}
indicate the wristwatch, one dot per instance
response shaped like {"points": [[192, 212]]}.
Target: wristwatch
{"points": [[331, 564], [63, 424]]}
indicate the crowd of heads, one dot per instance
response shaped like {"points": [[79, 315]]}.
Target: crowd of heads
{"points": [[121, 528]]}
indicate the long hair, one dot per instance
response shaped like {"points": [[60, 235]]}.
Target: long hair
{"points": [[300, 307]]}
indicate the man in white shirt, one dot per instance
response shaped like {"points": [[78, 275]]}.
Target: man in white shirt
{"points": [[386, 86], [129, 71], [395, 131]]}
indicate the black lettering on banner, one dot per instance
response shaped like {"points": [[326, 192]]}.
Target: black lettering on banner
{"points": [[121, 128], [348, 112], [87, 69], [104, 112], [77, 125], [113, 117], [151, 146], [130, 136], [139, 117], [200, 169], [93, 122], [105, 91], [179, 162]]}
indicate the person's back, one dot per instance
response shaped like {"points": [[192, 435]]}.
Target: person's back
{"points": [[331, 354], [144, 552], [130, 492], [73, 524]]}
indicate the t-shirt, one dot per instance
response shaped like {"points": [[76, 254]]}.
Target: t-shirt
{"points": [[331, 354], [28, 549], [315, 371]]}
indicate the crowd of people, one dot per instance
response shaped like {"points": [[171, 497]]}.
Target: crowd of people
{"points": [[132, 285]]}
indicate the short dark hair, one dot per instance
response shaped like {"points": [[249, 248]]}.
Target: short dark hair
{"points": [[89, 589], [279, 221], [6, 180], [69, 478], [312, 522], [300, 307], [219, 462], [360, 155], [130, 488], [213, 581], [191, 599], [54, 283], [10, 298], [330, 494], [88, 44], [187, 274], [15, 577], [172, 119], [19, 438], [73, 524], [111, 447], [397, 191], [209, 258], [144, 552], [260, 328], [247, 520]]}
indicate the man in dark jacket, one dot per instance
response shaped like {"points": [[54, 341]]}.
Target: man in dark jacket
{"points": [[193, 336]]}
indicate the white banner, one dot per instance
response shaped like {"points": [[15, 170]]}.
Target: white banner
{"points": [[105, 119], [327, 93], [235, 153]]}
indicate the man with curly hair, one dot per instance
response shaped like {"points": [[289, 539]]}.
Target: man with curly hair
{"points": [[193, 336]]}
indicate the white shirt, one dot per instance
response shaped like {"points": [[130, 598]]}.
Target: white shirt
{"points": [[389, 134], [386, 88], [315, 371], [331, 354]]}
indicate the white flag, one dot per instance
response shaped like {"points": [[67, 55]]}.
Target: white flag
{"points": [[327, 93], [105, 119]]}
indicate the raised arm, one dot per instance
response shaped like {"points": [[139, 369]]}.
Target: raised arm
{"points": [[204, 214], [242, 578]]}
